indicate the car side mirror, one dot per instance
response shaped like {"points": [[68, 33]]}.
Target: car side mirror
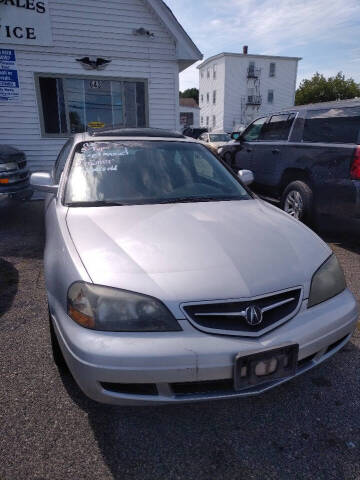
{"points": [[43, 182], [235, 136], [246, 176]]}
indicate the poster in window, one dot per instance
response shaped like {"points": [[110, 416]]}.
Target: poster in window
{"points": [[9, 77]]}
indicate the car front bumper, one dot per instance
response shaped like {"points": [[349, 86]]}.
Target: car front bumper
{"points": [[187, 366], [21, 188]]}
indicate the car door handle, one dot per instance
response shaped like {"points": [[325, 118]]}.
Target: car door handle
{"points": [[275, 150]]}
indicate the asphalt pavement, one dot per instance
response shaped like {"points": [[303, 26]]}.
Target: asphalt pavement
{"points": [[308, 428]]}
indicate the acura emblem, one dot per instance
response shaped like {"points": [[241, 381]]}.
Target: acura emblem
{"points": [[254, 315]]}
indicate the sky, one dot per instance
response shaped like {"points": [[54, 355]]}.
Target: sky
{"points": [[325, 33]]}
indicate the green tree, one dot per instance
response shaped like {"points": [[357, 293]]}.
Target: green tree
{"points": [[190, 93], [321, 89]]}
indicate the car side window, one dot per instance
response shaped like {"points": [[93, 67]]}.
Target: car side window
{"points": [[278, 128], [335, 125], [253, 131], [61, 160]]}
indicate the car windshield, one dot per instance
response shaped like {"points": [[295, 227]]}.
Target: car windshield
{"points": [[147, 172], [219, 137]]}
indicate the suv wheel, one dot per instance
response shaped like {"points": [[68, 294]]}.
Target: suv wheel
{"points": [[297, 200], [56, 350]]}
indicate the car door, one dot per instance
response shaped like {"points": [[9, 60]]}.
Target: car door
{"points": [[268, 151], [244, 149]]}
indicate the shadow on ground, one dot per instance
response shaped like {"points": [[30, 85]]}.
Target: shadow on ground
{"points": [[21, 229], [9, 280], [307, 425]]}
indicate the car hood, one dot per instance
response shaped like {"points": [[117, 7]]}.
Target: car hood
{"points": [[196, 251], [8, 153]]}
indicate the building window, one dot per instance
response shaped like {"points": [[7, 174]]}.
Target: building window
{"points": [[201, 98], [186, 118], [214, 120], [71, 105], [208, 73], [208, 97], [270, 96], [207, 121], [202, 120], [202, 74], [214, 72], [272, 69], [251, 70], [214, 97]]}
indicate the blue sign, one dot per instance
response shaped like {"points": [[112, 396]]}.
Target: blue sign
{"points": [[9, 79], [7, 55]]}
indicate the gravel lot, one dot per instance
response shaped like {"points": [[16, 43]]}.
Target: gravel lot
{"points": [[308, 428]]}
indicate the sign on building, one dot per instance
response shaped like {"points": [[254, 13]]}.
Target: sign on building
{"points": [[9, 78], [25, 22]]}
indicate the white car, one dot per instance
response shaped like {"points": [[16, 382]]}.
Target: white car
{"points": [[169, 281], [214, 140]]}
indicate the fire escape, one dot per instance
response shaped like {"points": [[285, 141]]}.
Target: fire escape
{"points": [[253, 97]]}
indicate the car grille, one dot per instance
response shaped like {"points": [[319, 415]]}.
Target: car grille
{"points": [[234, 317]]}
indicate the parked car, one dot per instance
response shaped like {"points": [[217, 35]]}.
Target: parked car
{"points": [[14, 174], [169, 281], [194, 132], [214, 140], [306, 158]]}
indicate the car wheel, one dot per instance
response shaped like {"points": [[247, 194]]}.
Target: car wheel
{"points": [[297, 201], [58, 357]]}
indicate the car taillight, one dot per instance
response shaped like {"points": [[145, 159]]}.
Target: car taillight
{"points": [[355, 167]]}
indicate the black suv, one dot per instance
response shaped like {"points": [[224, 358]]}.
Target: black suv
{"points": [[306, 158]]}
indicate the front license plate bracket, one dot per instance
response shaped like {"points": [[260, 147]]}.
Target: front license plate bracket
{"points": [[265, 366]]}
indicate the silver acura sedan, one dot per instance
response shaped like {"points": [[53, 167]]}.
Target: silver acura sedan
{"points": [[169, 281]]}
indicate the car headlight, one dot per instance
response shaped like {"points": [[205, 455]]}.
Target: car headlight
{"points": [[110, 309], [327, 281], [220, 149], [6, 167]]}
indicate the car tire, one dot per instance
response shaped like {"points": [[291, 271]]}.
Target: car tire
{"points": [[57, 354], [297, 201]]}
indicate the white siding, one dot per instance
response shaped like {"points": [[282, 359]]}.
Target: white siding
{"points": [[195, 111], [232, 87], [92, 28], [208, 85]]}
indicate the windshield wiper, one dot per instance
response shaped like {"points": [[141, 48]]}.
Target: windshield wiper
{"points": [[197, 199], [96, 203]]}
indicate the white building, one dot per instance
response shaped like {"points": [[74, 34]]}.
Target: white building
{"points": [[189, 113], [67, 64], [235, 88]]}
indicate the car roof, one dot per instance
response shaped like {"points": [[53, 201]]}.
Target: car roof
{"points": [[128, 134], [353, 102], [133, 132]]}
